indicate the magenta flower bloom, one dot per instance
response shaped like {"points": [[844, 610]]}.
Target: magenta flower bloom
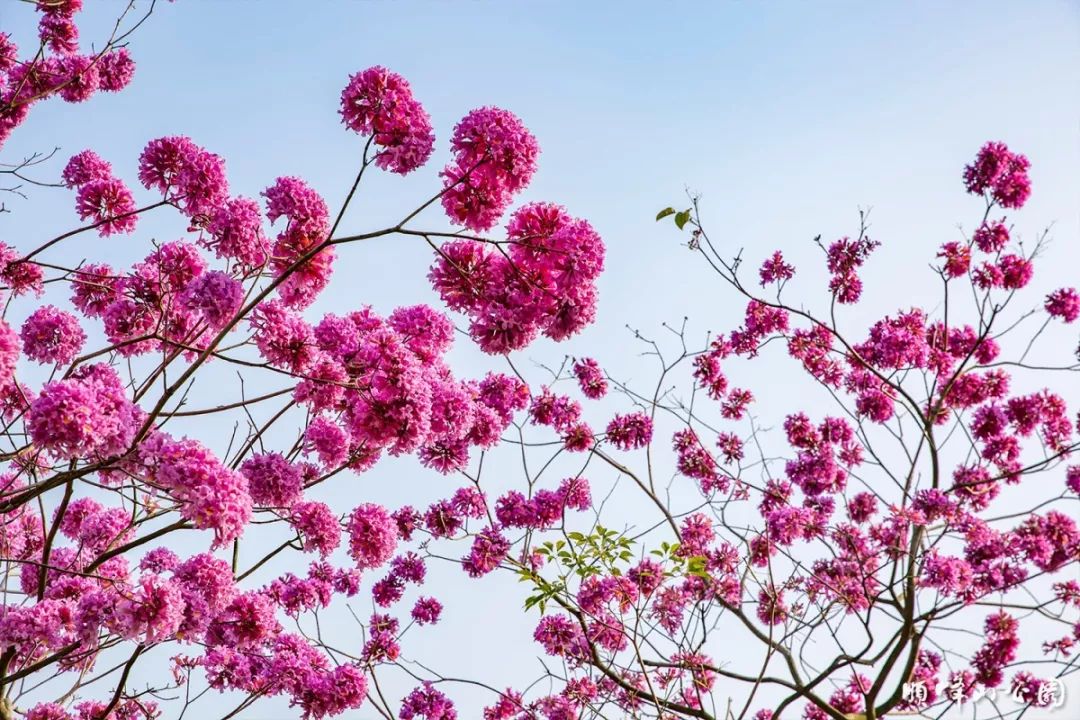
{"points": [[214, 296], [108, 202], [495, 157], [235, 230], [426, 611], [212, 496], [1064, 304], [51, 335], [775, 270], [78, 76], [184, 173], [116, 70], [380, 103], [319, 528], [628, 432], [88, 414], [272, 480], [372, 536], [85, 167], [10, 347], [590, 378], [1001, 174], [59, 33]]}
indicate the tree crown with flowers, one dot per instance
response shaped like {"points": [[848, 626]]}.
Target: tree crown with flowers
{"points": [[932, 497]]}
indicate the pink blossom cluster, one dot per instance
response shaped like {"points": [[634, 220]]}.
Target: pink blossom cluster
{"points": [[695, 461], [162, 302], [845, 257], [299, 248], [960, 557], [544, 283], [590, 378], [58, 68], [317, 525], [20, 276], [546, 508], [86, 415], [288, 664], [380, 384], [51, 335], [494, 158], [630, 431], [101, 198], [187, 175], [999, 174], [210, 495], [380, 103], [563, 415]]}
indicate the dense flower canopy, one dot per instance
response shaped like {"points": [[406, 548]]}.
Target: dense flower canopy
{"points": [[938, 485]]}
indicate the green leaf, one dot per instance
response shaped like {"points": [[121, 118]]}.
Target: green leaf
{"points": [[682, 218], [664, 213]]}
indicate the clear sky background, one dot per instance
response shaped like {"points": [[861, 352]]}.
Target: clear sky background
{"points": [[787, 117]]}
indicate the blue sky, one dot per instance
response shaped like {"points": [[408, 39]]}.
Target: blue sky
{"points": [[787, 117]]}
